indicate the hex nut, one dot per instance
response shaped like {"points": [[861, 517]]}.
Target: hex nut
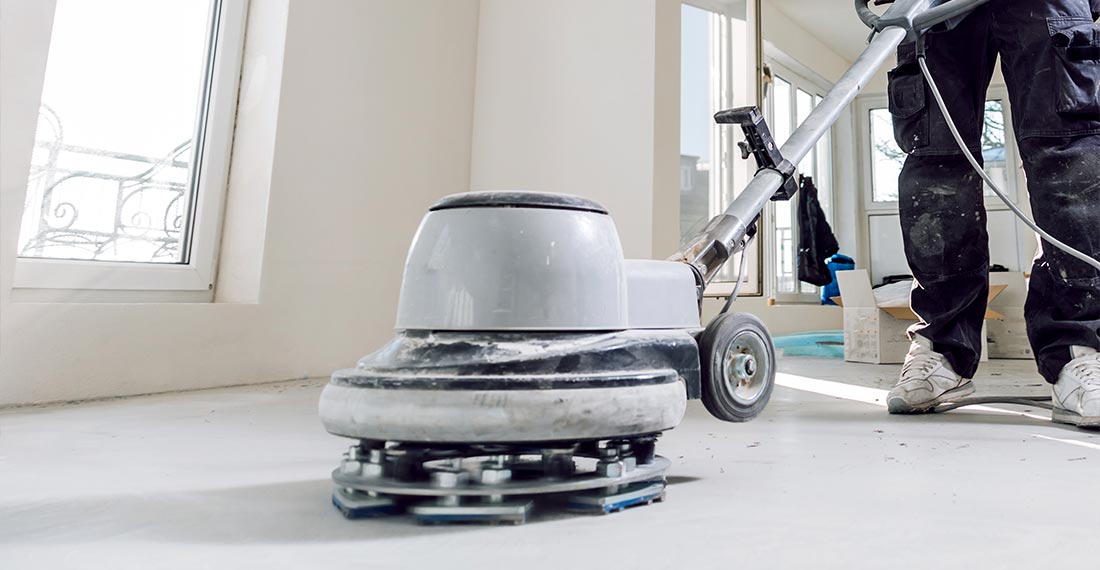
{"points": [[449, 479], [495, 476], [350, 467], [610, 468], [372, 470]]}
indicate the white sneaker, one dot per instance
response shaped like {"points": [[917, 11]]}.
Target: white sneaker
{"points": [[1077, 392], [927, 380]]}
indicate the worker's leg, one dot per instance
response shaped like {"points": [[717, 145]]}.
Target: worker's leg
{"points": [[940, 196], [1050, 53], [1063, 302]]}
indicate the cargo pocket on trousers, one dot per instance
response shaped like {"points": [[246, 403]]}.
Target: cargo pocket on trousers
{"points": [[1076, 43], [907, 102]]}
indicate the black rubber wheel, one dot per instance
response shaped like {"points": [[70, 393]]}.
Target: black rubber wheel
{"points": [[738, 366]]}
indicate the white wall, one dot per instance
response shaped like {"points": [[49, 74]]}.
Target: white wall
{"points": [[799, 43], [567, 101], [372, 123]]}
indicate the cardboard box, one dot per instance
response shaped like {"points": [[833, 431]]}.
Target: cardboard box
{"points": [[876, 320], [1007, 335]]}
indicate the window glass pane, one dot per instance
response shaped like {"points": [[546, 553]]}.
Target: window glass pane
{"points": [[112, 168], [823, 175], [804, 103], [696, 120], [781, 109], [784, 244], [886, 158], [783, 118], [824, 178], [993, 145], [715, 74]]}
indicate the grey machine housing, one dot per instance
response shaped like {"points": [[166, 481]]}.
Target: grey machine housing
{"points": [[519, 320]]}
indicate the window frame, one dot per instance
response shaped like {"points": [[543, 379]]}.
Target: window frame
{"points": [[214, 139], [800, 77]]}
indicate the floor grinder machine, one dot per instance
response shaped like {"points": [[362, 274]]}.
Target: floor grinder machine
{"points": [[533, 360]]}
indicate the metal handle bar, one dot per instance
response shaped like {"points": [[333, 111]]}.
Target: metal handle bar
{"points": [[914, 15]]}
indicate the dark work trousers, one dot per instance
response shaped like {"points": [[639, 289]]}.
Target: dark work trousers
{"points": [[1050, 58]]}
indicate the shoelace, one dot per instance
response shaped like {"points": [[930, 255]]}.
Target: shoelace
{"points": [[1088, 370], [920, 361]]}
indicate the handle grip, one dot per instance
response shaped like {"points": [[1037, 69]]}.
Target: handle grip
{"points": [[869, 18]]}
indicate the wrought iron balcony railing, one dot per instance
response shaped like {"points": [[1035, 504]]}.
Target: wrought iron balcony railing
{"points": [[99, 204]]}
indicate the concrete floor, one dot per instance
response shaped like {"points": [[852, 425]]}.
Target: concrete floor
{"points": [[238, 478]]}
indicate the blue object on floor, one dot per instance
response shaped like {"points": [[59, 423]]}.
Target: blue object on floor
{"points": [[829, 344], [835, 263]]}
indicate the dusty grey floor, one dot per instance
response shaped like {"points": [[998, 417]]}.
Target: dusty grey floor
{"points": [[238, 478]]}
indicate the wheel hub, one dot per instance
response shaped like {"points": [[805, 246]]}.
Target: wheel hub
{"points": [[746, 377], [743, 367]]}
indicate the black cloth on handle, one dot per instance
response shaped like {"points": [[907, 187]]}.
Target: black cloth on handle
{"points": [[816, 242]]}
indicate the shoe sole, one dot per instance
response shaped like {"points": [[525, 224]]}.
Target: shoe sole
{"points": [[900, 406], [1060, 416]]}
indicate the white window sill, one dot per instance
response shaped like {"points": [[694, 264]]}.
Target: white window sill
{"points": [[723, 289], [53, 280], [89, 296]]}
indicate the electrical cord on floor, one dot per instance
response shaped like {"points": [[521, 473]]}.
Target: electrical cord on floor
{"points": [[1036, 401], [1044, 402], [740, 277]]}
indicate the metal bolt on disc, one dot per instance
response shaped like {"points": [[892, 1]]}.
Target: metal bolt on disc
{"points": [[452, 483], [497, 484]]}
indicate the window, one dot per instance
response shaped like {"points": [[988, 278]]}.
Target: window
{"points": [[696, 110], [790, 99], [994, 150], [886, 158], [716, 71], [132, 146]]}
